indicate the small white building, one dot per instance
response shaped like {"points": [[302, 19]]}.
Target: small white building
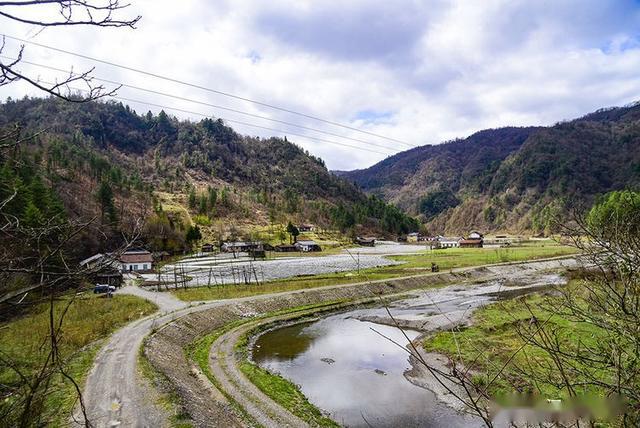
{"points": [[136, 260], [307, 246], [449, 242]]}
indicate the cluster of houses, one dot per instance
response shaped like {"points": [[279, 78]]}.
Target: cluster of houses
{"points": [[472, 240], [258, 247]]}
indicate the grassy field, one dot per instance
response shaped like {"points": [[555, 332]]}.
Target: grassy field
{"points": [[89, 320], [493, 341], [412, 265]]}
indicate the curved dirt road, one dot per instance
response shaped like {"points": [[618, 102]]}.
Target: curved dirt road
{"points": [[223, 365], [113, 394]]}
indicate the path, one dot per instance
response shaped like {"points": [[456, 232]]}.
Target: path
{"points": [[223, 364]]}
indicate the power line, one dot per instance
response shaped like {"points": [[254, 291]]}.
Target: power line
{"points": [[178, 97], [239, 122], [204, 88]]}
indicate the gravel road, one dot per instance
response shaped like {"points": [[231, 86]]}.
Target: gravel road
{"points": [[114, 394], [223, 365]]}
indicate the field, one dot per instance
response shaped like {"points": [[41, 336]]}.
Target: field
{"points": [[493, 348], [88, 320], [411, 265]]}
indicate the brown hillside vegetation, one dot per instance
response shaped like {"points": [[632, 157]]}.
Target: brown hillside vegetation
{"points": [[512, 178]]}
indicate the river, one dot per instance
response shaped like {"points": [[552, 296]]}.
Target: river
{"points": [[345, 366]]}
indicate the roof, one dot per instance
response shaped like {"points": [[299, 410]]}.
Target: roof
{"points": [[241, 244], [136, 257], [471, 241], [449, 238], [307, 243], [91, 259]]}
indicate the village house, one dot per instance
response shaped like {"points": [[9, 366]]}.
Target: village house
{"points": [[241, 246], [285, 248], [102, 269], [474, 240], [475, 235], [305, 227], [365, 242], [413, 237], [449, 242], [470, 243], [207, 248], [136, 261], [308, 246]]}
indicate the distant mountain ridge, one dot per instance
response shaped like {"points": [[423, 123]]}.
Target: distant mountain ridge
{"points": [[511, 179]]}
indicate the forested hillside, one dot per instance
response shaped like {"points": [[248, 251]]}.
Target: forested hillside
{"points": [[512, 178], [103, 161]]}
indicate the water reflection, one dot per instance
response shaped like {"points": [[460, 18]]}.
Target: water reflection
{"points": [[347, 369]]}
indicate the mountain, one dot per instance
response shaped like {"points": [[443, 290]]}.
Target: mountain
{"points": [[102, 160], [511, 179]]}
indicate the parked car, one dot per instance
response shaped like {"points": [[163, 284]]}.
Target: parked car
{"points": [[103, 288]]}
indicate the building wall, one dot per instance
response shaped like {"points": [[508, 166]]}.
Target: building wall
{"points": [[134, 267]]}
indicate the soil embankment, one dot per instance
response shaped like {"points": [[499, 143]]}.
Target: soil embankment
{"points": [[166, 348]]}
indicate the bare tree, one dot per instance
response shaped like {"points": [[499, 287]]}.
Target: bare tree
{"points": [[56, 13], [34, 263]]}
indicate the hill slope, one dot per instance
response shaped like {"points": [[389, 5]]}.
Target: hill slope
{"points": [[105, 160], [511, 178]]}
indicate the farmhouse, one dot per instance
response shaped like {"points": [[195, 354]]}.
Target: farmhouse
{"points": [[365, 242], [308, 246], [449, 242], [103, 269], [475, 235], [207, 248], [284, 248], [413, 237], [305, 227], [470, 243], [136, 260], [241, 246]]}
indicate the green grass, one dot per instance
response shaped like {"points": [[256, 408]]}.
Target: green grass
{"points": [[286, 394], [413, 265], [488, 345], [88, 321], [276, 387]]}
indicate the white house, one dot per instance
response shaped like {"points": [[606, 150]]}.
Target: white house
{"points": [[136, 260], [307, 246], [449, 242]]}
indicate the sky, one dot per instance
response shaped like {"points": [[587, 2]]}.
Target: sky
{"points": [[416, 72]]}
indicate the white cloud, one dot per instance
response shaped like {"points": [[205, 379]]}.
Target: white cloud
{"points": [[433, 70]]}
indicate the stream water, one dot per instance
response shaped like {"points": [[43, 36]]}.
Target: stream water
{"points": [[349, 370], [345, 366]]}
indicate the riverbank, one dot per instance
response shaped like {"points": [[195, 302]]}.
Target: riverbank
{"points": [[166, 348]]}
